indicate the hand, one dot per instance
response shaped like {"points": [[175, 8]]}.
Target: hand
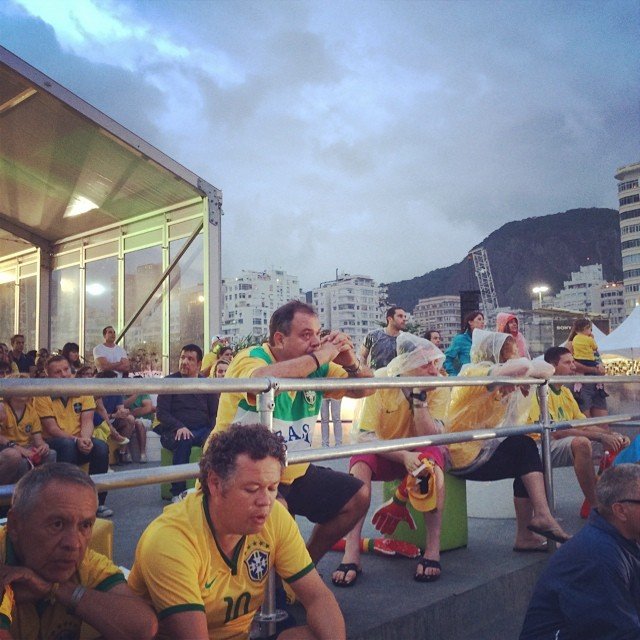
{"points": [[390, 515], [600, 369], [183, 434], [42, 450], [84, 445], [27, 585], [411, 461], [613, 442], [24, 452]]}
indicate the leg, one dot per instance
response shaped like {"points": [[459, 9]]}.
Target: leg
{"points": [[583, 466], [65, 448], [324, 422], [352, 543], [12, 466], [337, 422], [325, 535], [433, 527], [181, 455], [141, 435], [99, 462]]}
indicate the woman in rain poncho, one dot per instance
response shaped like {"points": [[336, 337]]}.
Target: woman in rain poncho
{"points": [[508, 323], [496, 355], [403, 413]]}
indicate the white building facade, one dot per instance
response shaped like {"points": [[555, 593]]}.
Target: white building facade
{"points": [[250, 299], [352, 304], [629, 207], [441, 313]]}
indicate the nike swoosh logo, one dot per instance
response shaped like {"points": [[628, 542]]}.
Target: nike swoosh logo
{"points": [[207, 585]]}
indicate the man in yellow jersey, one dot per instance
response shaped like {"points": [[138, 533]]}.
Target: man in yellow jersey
{"points": [[53, 585], [333, 500], [575, 447], [204, 562], [67, 425]]}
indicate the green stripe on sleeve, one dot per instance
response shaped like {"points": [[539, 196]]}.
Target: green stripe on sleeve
{"points": [[300, 574], [5, 621], [179, 608], [110, 582]]}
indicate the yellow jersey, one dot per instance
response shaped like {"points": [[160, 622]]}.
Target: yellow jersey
{"points": [[180, 567], [584, 347], [66, 411], [562, 406], [22, 429], [294, 414], [44, 621]]}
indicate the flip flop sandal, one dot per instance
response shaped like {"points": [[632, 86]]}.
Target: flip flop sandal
{"points": [[345, 567], [550, 534], [425, 563]]}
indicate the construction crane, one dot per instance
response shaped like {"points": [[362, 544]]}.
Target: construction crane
{"points": [[488, 295]]}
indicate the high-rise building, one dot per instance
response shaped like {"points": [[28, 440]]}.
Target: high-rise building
{"points": [[629, 207], [250, 299], [441, 313], [352, 304]]}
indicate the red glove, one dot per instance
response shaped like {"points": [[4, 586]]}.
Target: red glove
{"points": [[388, 516]]}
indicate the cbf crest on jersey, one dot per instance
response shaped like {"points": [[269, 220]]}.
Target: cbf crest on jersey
{"points": [[258, 565], [310, 397], [77, 407]]}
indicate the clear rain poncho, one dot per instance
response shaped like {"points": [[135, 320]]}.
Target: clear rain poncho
{"points": [[487, 407]]}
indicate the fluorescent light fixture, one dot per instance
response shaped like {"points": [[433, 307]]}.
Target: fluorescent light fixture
{"points": [[79, 205], [67, 285], [7, 276], [95, 289]]}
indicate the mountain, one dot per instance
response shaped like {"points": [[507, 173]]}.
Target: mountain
{"points": [[524, 253]]}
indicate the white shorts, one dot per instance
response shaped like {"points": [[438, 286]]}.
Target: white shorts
{"points": [[561, 454]]}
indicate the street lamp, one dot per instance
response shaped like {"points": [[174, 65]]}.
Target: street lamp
{"points": [[540, 289]]}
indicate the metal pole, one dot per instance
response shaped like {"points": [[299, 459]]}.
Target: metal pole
{"points": [[268, 615], [545, 421]]}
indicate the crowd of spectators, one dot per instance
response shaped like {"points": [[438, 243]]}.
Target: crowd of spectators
{"points": [[234, 512]]}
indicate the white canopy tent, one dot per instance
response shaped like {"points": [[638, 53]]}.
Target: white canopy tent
{"points": [[625, 340]]}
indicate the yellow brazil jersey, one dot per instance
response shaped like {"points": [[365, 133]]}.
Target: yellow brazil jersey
{"points": [[23, 428], [294, 414], [44, 621], [388, 413], [472, 408], [180, 567], [66, 411], [562, 406], [584, 347]]}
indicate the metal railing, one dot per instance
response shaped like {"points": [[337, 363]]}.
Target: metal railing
{"points": [[265, 390]]}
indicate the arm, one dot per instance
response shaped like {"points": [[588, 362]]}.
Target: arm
{"points": [[364, 353], [324, 617], [52, 430], [187, 625], [86, 424], [101, 410], [583, 370], [451, 357]]}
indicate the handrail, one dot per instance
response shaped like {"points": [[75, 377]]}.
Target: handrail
{"points": [[10, 387], [157, 475]]}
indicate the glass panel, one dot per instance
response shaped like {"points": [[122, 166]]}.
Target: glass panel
{"points": [[101, 302], [65, 306], [27, 315], [143, 340], [7, 305], [186, 299]]}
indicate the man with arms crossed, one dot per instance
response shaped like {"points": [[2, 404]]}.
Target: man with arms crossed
{"points": [[574, 447], [204, 562], [590, 589], [335, 501], [110, 356], [380, 345], [53, 584]]}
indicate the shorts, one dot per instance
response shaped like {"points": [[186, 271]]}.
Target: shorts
{"points": [[383, 469], [591, 398], [561, 454], [146, 423], [320, 494]]}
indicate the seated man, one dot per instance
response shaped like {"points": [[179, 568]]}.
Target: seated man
{"points": [[403, 413], [67, 424], [590, 589], [575, 446], [21, 440], [185, 420], [204, 562], [333, 500], [52, 583]]}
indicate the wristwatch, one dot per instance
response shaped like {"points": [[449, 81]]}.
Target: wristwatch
{"points": [[422, 396], [11, 443]]}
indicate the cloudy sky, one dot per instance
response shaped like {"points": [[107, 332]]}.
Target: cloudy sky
{"points": [[380, 138]]}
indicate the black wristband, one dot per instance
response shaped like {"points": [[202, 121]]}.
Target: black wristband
{"points": [[315, 359], [422, 396]]}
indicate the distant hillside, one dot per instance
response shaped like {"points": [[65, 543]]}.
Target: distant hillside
{"points": [[522, 253]]}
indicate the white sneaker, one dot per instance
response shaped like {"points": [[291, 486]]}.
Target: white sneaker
{"points": [[143, 458], [104, 512]]}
